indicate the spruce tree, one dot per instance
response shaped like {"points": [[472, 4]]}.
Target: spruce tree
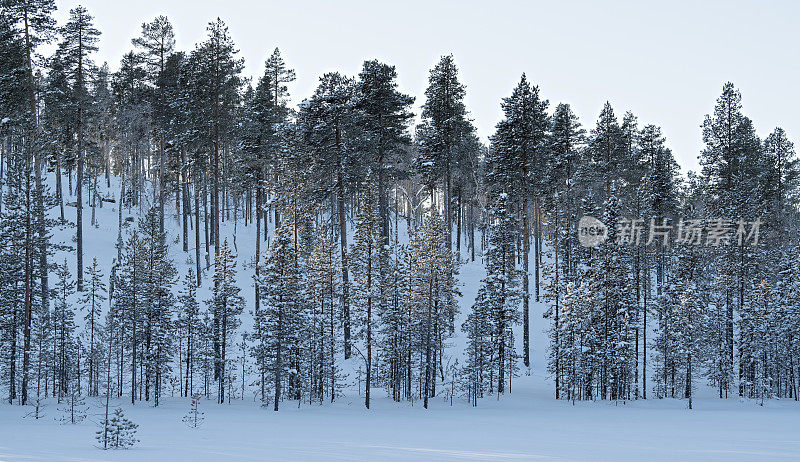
{"points": [[158, 278], [279, 321], [500, 290], [194, 418], [64, 324], [74, 409], [130, 305], [189, 321], [369, 260], [323, 284], [118, 432], [606, 151], [226, 305], [92, 299]]}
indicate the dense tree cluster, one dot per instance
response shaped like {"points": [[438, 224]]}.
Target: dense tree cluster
{"points": [[361, 221]]}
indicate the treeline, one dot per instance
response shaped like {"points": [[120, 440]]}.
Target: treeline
{"points": [[361, 222], [714, 273]]}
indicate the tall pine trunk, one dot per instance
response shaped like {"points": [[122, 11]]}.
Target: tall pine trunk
{"points": [[526, 295], [345, 271], [79, 178]]}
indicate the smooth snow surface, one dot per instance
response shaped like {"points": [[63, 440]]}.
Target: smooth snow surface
{"points": [[528, 426]]}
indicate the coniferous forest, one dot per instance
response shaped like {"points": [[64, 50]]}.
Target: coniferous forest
{"points": [[301, 254]]}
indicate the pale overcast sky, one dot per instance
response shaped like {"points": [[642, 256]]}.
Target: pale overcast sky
{"points": [[664, 61]]}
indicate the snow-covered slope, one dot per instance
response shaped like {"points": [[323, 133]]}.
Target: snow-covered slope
{"points": [[525, 425]]}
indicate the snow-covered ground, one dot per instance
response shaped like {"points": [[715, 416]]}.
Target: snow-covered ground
{"points": [[529, 425], [526, 425]]}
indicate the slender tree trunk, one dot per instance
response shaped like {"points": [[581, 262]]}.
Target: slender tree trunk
{"points": [[257, 295], [31, 147], [557, 314], [108, 384], [369, 331], [215, 215], [278, 357], [526, 295], [345, 271], [26, 327], [428, 371], [59, 189], [448, 216], [472, 231], [79, 178], [184, 191], [197, 227], [91, 344], [644, 327], [537, 252], [458, 227]]}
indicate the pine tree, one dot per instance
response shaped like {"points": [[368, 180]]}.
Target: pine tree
{"points": [[690, 341], [730, 174], [516, 166], [445, 126], [32, 20], [566, 158], [279, 76], [782, 172], [276, 76], [80, 39], [214, 85], [260, 140], [15, 289], [74, 411], [657, 197], [478, 329], [396, 332], [157, 42], [194, 418], [383, 117], [328, 122], [57, 119], [615, 298], [566, 346], [117, 432]]}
